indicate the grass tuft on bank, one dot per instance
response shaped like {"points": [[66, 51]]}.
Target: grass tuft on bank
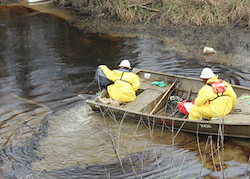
{"points": [[207, 13]]}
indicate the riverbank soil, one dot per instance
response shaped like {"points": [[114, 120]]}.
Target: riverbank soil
{"points": [[232, 44]]}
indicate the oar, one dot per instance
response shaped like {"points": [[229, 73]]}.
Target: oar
{"points": [[165, 94]]}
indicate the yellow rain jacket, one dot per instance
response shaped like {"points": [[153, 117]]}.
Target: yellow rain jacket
{"points": [[125, 84], [208, 104]]}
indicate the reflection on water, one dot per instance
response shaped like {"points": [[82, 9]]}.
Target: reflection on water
{"points": [[48, 131]]}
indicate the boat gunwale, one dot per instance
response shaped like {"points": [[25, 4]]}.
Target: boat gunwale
{"points": [[136, 70], [165, 117]]}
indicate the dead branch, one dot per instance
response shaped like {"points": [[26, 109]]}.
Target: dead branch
{"points": [[150, 9], [143, 5]]}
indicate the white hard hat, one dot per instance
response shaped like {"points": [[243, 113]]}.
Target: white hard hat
{"points": [[125, 63], [207, 73]]}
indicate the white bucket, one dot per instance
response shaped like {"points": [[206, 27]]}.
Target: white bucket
{"points": [[208, 50], [188, 105]]}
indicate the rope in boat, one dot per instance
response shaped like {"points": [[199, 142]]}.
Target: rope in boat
{"points": [[87, 86], [80, 94]]}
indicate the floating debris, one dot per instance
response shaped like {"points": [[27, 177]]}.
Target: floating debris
{"points": [[209, 50]]}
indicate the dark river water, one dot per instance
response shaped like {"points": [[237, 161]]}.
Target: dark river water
{"points": [[47, 131]]}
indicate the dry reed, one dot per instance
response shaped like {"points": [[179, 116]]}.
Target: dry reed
{"points": [[208, 13]]}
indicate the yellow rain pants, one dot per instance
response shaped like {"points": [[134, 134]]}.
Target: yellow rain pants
{"points": [[208, 104], [125, 84]]}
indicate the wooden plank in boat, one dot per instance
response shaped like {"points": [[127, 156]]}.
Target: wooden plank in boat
{"points": [[145, 101]]}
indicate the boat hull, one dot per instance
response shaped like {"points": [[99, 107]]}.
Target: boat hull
{"points": [[197, 127]]}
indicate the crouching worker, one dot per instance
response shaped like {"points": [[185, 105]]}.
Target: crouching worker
{"points": [[125, 83], [215, 99]]}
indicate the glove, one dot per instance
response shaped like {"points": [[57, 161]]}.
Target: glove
{"points": [[159, 83], [244, 97]]}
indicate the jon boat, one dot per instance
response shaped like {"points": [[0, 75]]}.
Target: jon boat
{"points": [[153, 105]]}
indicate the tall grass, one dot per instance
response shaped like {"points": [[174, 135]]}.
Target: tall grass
{"points": [[208, 13], [212, 151]]}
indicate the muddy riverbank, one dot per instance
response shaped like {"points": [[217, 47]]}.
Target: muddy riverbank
{"points": [[232, 45]]}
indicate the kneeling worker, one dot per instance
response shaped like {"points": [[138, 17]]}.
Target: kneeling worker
{"points": [[215, 99], [125, 83]]}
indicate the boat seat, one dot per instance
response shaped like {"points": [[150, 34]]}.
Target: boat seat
{"points": [[147, 99], [146, 84]]}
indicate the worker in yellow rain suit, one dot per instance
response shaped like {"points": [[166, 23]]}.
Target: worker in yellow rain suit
{"points": [[215, 99], [125, 84]]}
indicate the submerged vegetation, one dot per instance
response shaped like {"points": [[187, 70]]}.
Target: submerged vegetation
{"points": [[207, 13]]}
